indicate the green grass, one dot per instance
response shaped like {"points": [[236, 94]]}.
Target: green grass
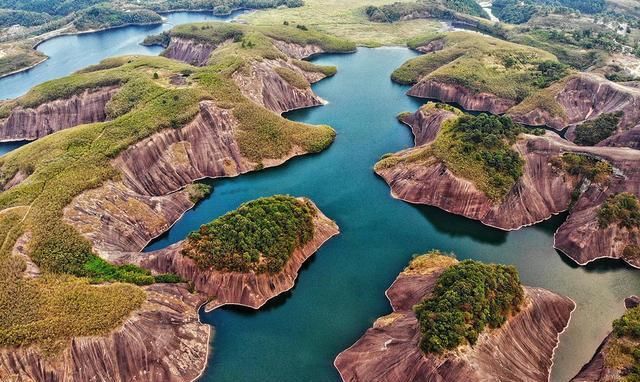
{"points": [[345, 19], [63, 165], [293, 78], [476, 148], [480, 64], [259, 236]]}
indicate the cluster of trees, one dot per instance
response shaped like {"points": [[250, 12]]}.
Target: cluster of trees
{"points": [[25, 18], [100, 271], [259, 236], [596, 170], [488, 138], [467, 298], [588, 38], [442, 9], [548, 72], [105, 15], [627, 328], [521, 11], [598, 129], [622, 208]]}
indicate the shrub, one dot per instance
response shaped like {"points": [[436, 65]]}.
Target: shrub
{"points": [[622, 208], [467, 298]]}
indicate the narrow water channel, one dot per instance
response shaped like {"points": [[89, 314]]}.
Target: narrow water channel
{"points": [[340, 291]]}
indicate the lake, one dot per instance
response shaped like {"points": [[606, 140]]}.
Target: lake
{"points": [[340, 291]]}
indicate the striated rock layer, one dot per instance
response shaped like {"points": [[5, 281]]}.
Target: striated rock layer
{"points": [[264, 86], [521, 350], [189, 51], [542, 191], [467, 99], [237, 288], [31, 124], [164, 340], [586, 96]]}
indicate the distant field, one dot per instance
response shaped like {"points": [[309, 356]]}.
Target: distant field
{"points": [[346, 19]]}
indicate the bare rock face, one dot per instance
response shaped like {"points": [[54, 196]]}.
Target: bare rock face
{"points": [[425, 123], [264, 86], [432, 46], [521, 350], [428, 88], [31, 124], [189, 51], [171, 159], [115, 218], [247, 289], [298, 51], [541, 192], [586, 96], [162, 341]]}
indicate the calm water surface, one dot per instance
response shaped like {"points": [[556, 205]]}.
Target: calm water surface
{"points": [[340, 291], [70, 53]]}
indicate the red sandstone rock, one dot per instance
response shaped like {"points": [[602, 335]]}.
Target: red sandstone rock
{"points": [[31, 124], [521, 350]]}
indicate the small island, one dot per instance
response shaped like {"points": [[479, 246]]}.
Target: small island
{"points": [[456, 321]]}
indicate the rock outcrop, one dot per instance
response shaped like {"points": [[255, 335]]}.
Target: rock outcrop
{"points": [[521, 350], [542, 191], [469, 100], [598, 369], [425, 123], [190, 51], [298, 51], [31, 124], [164, 340], [263, 85], [583, 97], [124, 215], [247, 289]]}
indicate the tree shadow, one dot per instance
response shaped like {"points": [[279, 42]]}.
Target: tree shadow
{"points": [[460, 226]]}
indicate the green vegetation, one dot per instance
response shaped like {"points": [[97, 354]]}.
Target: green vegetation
{"points": [[596, 130], [482, 64], [10, 17], [623, 351], [521, 11], [259, 236], [198, 191], [107, 16], [440, 9], [63, 165], [22, 58], [596, 170], [478, 148], [293, 78], [622, 209], [468, 298]]}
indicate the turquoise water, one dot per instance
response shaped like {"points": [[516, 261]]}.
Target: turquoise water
{"points": [[340, 291]]}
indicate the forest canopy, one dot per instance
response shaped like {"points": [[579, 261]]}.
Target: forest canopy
{"points": [[468, 297], [259, 236]]}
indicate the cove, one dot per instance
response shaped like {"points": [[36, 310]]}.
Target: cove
{"points": [[340, 291], [69, 53]]}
